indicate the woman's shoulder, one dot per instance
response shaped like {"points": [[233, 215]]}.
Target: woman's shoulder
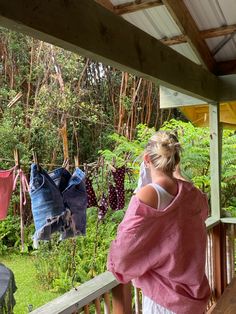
{"points": [[148, 196]]}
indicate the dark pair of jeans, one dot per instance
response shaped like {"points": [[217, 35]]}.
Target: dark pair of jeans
{"points": [[59, 202]]}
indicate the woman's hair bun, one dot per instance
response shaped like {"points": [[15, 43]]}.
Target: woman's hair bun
{"points": [[163, 149]]}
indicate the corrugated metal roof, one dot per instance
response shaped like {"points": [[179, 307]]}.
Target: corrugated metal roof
{"points": [[207, 14], [228, 52], [155, 21], [212, 14], [186, 50], [158, 23]]}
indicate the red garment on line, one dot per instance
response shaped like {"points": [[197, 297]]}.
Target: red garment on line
{"points": [[6, 188]]}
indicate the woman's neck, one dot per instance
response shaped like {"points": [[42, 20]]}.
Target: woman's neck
{"points": [[159, 174]]}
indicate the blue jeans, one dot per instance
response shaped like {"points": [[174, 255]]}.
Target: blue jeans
{"points": [[59, 202]]}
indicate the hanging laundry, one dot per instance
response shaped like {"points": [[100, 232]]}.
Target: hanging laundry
{"points": [[6, 188], [112, 197], [92, 200], [119, 178], [75, 199], [46, 200], [59, 202], [103, 207], [24, 187]]}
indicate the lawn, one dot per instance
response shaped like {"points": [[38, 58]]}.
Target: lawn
{"points": [[29, 292]]}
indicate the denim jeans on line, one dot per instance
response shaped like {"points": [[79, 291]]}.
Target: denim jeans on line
{"points": [[53, 196]]}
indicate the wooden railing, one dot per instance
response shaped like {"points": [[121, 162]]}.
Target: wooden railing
{"points": [[104, 294], [220, 260]]}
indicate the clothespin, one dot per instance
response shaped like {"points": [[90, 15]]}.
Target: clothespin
{"points": [[76, 158], [85, 168], [35, 159], [17, 158], [65, 163], [102, 161], [112, 165]]}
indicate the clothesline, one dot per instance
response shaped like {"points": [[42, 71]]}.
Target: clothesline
{"points": [[49, 164]]}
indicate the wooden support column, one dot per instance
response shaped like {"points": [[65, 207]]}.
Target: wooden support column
{"points": [[219, 234], [219, 259], [215, 159], [122, 299]]}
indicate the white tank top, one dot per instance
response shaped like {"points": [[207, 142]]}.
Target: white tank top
{"points": [[164, 198]]}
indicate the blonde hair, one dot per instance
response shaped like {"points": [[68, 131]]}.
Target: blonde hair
{"points": [[163, 150]]}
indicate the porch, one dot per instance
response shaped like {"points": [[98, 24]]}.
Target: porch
{"points": [[140, 53], [103, 294]]}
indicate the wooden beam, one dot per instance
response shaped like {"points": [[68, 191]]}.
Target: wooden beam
{"points": [[187, 25], [122, 299], [227, 88], [76, 299], [133, 6], [225, 67], [175, 40], [215, 159], [219, 31], [88, 29], [106, 4], [208, 33]]}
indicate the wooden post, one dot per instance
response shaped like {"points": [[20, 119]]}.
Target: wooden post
{"points": [[215, 159], [219, 259], [122, 299]]}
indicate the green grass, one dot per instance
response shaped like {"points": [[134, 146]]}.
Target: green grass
{"points": [[29, 290]]}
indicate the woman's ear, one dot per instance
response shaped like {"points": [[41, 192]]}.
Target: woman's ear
{"points": [[146, 160]]}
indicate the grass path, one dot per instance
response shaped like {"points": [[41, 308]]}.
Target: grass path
{"points": [[29, 291]]}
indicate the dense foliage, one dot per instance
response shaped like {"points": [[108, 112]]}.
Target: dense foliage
{"points": [[60, 105]]}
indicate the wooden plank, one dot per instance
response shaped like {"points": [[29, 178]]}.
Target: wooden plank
{"points": [[228, 220], [187, 25], [134, 6], [137, 301], [225, 67], [97, 306], [227, 302], [208, 33], [74, 300], [87, 28], [223, 228], [86, 309], [106, 4], [212, 222], [215, 159], [227, 88], [218, 31], [217, 261], [175, 40], [122, 299], [107, 305]]}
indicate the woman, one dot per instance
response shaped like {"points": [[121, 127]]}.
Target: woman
{"points": [[161, 242]]}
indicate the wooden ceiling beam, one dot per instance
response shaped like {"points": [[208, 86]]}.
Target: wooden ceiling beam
{"points": [[218, 31], [175, 40], [225, 68], [188, 27], [208, 33], [133, 6], [106, 4], [90, 30]]}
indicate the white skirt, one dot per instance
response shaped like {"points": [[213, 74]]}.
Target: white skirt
{"points": [[150, 307]]}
